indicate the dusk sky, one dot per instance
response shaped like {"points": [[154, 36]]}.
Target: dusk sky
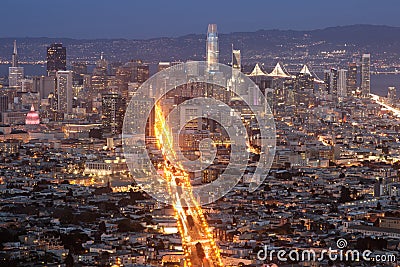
{"points": [[147, 19]]}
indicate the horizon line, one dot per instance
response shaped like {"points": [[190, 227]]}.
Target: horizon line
{"points": [[193, 33]]}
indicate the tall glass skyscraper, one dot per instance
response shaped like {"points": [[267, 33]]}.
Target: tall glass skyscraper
{"points": [[236, 60], [342, 83], [15, 55], [15, 73], [212, 48], [56, 58], [352, 78], [365, 75], [64, 91], [113, 110]]}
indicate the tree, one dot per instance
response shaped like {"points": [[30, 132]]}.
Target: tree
{"points": [[267, 188], [104, 258], [334, 209], [354, 193], [69, 261], [126, 225], [70, 193], [160, 245], [6, 236], [102, 227], [345, 195], [73, 240]]}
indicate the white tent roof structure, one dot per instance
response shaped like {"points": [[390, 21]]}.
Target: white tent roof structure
{"points": [[279, 72], [257, 71], [306, 70]]}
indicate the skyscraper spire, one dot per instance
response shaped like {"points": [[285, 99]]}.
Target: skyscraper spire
{"points": [[15, 55]]}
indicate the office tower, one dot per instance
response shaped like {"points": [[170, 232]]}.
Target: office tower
{"points": [[113, 109], [99, 80], [123, 77], [365, 75], [3, 103], [45, 85], [56, 58], [304, 79], [139, 112], [331, 81], [391, 94], [135, 72], [15, 73], [64, 91], [212, 48], [298, 91], [27, 85], [342, 83], [15, 76], [15, 55], [236, 68], [101, 66], [236, 59], [113, 67], [163, 65], [79, 69], [351, 78], [140, 71]]}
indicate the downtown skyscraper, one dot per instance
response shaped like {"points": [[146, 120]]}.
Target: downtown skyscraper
{"points": [[351, 78], [64, 93], [113, 110], [331, 82], [15, 73], [236, 59], [365, 75], [342, 83], [56, 58], [212, 48], [15, 55]]}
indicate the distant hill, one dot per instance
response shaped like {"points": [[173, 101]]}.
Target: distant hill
{"points": [[260, 46]]}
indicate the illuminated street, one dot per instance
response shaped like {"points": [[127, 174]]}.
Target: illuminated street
{"points": [[395, 111], [199, 246]]}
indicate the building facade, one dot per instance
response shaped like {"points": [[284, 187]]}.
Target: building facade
{"points": [[352, 78], [365, 75], [212, 48], [56, 58], [64, 93], [113, 106]]}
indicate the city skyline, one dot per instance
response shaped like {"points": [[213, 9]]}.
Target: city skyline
{"points": [[250, 149]]}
